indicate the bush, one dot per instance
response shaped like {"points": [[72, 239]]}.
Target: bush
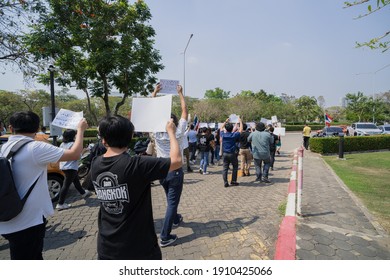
{"points": [[330, 145]]}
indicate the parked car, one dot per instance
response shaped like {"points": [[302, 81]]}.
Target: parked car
{"points": [[385, 128], [330, 131], [363, 129], [55, 176]]}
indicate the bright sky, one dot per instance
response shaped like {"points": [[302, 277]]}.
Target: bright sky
{"points": [[300, 47]]}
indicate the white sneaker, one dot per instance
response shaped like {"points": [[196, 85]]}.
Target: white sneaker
{"points": [[63, 206], [87, 193], [206, 173]]}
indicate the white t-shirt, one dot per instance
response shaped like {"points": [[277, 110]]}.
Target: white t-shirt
{"points": [[66, 165], [28, 164], [162, 140]]}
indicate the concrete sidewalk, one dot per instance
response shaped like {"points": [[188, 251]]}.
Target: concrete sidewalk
{"points": [[334, 224]]}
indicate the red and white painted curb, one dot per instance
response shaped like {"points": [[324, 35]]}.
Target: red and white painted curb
{"points": [[286, 242]]}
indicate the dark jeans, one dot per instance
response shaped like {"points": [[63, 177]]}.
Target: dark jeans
{"points": [[262, 173], [273, 152], [173, 186], [306, 141], [192, 147], [229, 158], [70, 177], [27, 244]]}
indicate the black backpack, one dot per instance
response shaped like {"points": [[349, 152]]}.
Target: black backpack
{"points": [[10, 202]]}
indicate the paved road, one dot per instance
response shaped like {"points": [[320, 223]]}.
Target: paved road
{"points": [[237, 223]]}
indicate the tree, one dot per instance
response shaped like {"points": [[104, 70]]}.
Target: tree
{"points": [[308, 108], [217, 93], [380, 41], [357, 108], [10, 103], [101, 46], [14, 18]]}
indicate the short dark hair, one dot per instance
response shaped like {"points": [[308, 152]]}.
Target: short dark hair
{"points": [[244, 126], [271, 129], [24, 122], [192, 126], [229, 127], [116, 131], [204, 129], [68, 135], [260, 126]]}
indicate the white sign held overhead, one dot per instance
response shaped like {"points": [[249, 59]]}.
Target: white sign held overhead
{"points": [[168, 86], [67, 119], [151, 114], [280, 131], [274, 119], [233, 118]]}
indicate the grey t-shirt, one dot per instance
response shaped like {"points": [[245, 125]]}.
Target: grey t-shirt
{"points": [[261, 142]]}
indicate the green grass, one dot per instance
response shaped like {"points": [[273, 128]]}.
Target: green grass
{"points": [[367, 175]]}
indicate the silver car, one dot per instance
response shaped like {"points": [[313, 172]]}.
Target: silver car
{"points": [[385, 128]]}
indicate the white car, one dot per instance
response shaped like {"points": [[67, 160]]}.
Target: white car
{"points": [[363, 129], [385, 128]]}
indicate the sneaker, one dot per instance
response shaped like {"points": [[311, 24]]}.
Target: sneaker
{"points": [[86, 194], [63, 206], [234, 183], [178, 223], [226, 185], [172, 238], [265, 180], [200, 171], [205, 173]]}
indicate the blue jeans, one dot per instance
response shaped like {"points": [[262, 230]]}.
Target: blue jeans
{"points": [[173, 186], [216, 152], [259, 172], [204, 160], [229, 158]]}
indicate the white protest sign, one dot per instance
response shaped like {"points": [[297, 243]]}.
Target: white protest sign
{"points": [[274, 119], [168, 86], [264, 120], [67, 119], [151, 114], [220, 125], [203, 124], [251, 124], [280, 131], [211, 125], [233, 118]]}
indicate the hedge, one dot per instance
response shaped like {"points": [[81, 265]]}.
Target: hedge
{"points": [[299, 127], [330, 145]]}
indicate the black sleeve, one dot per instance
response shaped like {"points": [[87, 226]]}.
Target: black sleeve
{"points": [[154, 168]]}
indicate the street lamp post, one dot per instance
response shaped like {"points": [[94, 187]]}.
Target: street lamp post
{"points": [[373, 87], [53, 107], [184, 78]]}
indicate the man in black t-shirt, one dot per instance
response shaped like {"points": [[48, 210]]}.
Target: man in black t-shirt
{"points": [[205, 140], [122, 184], [273, 146]]}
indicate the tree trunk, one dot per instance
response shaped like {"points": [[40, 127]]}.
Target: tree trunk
{"points": [[92, 112]]}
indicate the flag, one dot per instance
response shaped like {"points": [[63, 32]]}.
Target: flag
{"points": [[196, 122], [328, 119]]}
